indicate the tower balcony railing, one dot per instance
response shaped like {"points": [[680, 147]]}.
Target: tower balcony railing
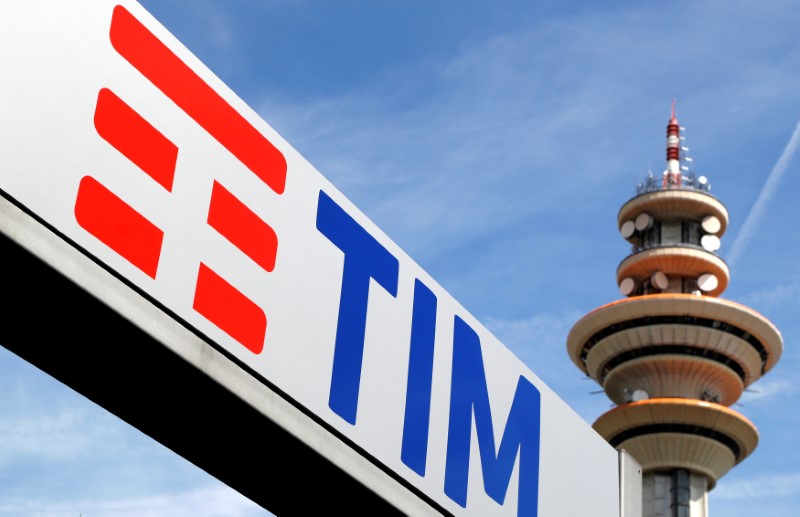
{"points": [[668, 182], [648, 247]]}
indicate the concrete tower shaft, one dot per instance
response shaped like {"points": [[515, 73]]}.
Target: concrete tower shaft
{"points": [[671, 354]]}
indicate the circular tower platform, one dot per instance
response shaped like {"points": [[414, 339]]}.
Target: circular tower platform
{"points": [[669, 433]]}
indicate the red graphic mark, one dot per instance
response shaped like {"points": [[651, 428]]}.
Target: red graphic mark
{"points": [[134, 137], [122, 228], [185, 88], [222, 304], [100, 212], [243, 228]]}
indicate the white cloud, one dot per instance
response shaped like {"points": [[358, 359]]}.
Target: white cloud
{"points": [[768, 389], [45, 437], [764, 197], [508, 129], [217, 501], [760, 487], [543, 332], [774, 296]]}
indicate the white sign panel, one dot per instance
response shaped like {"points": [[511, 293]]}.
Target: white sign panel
{"points": [[121, 141]]}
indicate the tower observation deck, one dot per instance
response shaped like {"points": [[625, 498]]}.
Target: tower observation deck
{"points": [[672, 355]]}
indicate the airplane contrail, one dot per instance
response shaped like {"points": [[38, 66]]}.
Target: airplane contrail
{"points": [[749, 226]]}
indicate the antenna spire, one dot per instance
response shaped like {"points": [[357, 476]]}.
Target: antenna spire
{"points": [[672, 176]]}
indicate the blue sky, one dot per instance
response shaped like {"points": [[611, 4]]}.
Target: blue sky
{"points": [[494, 142]]}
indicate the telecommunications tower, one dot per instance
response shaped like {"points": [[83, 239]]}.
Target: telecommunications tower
{"points": [[672, 355]]}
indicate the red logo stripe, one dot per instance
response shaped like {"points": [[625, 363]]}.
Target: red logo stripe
{"points": [[186, 89], [100, 212], [243, 228], [230, 310], [133, 136]]}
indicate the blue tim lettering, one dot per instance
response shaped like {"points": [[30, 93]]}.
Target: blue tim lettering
{"points": [[414, 450], [469, 396], [364, 259]]}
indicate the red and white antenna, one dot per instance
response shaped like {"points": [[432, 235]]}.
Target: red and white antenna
{"points": [[672, 176]]}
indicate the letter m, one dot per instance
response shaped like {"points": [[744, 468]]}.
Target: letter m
{"points": [[469, 402]]}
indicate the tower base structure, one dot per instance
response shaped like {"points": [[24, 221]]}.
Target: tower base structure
{"points": [[674, 493]]}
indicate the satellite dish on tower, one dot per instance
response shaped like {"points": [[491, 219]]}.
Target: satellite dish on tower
{"points": [[639, 395], [711, 224], [643, 222], [659, 280], [627, 286], [627, 229], [707, 282], [710, 242]]}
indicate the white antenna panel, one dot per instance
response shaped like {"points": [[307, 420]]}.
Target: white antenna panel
{"points": [[710, 242], [627, 286], [643, 222], [711, 223], [659, 280], [627, 229], [707, 282]]}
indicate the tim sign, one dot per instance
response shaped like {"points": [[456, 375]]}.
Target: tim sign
{"points": [[131, 153]]}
